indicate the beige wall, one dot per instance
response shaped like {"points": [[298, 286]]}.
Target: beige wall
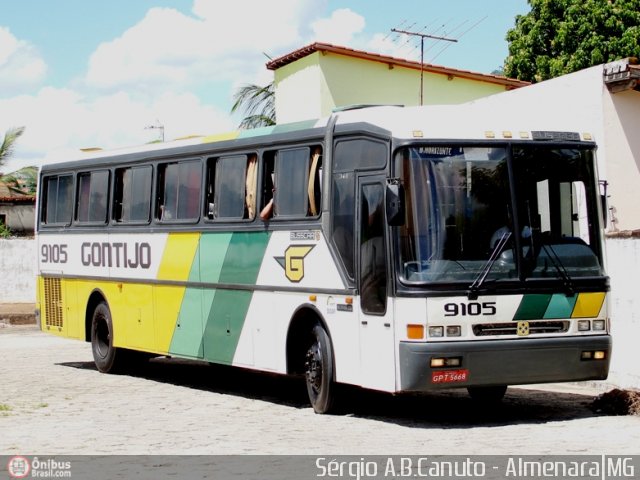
{"points": [[314, 85]]}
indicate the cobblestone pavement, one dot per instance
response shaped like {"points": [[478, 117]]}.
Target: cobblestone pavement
{"points": [[53, 401]]}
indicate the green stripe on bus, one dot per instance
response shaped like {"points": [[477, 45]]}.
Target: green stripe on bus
{"points": [[187, 336], [228, 309], [532, 307], [560, 306]]}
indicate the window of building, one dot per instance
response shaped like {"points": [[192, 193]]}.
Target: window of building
{"points": [[178, 193], [58, 194], [132, 195]]}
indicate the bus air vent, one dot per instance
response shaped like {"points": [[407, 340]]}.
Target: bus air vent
{"points": [[486, 329], [53, 302]]}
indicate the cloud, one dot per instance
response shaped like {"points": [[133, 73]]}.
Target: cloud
{"points": [[21, 67], [168, 48], [63, 120], [339, 28]]}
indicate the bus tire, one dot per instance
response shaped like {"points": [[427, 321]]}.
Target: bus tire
{"points": [[487, 395], [105, 355], [318, 369]]}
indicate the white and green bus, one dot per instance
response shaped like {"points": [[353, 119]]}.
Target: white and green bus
{"points": [[396, 249]]}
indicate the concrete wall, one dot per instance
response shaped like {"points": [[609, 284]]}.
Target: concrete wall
{"points": [[20, 218], [17, 271], [623, 264]]}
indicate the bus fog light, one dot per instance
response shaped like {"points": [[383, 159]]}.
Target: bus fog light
{"points": [[437, 362], [584, 325], [454, 331], [593, 355], [453, 361], [436, 332], [599, 325], [446, 362]]}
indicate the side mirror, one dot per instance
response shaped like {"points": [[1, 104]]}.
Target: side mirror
{"points": [[394, 202]]}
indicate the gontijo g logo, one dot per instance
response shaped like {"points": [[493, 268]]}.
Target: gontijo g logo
{"points": [[293, 261]]}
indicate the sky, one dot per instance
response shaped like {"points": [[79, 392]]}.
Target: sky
{"points": [[87, 73]]}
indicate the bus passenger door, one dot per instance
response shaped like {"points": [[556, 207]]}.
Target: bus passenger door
{"points": [[377, 358]]}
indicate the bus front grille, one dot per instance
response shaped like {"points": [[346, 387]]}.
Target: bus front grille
{"points": [[511, 328], [53, 302]]}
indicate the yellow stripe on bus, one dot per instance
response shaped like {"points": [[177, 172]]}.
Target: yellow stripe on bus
{"points": [[588, 305], [177, 260]]}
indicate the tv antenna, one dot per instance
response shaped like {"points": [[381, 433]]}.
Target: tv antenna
{"points": [[422, 37], [157, 126], [409, 32]]}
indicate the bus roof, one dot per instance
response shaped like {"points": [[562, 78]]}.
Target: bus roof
{"points": [[471, 121]]}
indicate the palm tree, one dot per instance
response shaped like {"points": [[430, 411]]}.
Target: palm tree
{"points": [[23, 182], [258, 105], [10, 137]]}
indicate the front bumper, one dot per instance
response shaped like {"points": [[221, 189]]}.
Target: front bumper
{"points": [[505, 362]]}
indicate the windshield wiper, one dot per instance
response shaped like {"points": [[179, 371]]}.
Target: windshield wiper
{"points": [[559, 266], [474, 288]]}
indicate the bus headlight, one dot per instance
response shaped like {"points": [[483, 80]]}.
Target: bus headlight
{"points": [[454, 331], [599, 325], [584, 325], [436, 332]]}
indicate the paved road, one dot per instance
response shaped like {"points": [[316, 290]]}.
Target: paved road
{"points": [[53, 401]]}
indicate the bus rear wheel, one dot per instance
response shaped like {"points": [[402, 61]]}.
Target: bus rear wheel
{"points": [[105, 355], [318, 368]]}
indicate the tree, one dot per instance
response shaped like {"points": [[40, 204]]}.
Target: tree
{"points": [[561, 36], [10, 137], [24, 181], [258, 105]]}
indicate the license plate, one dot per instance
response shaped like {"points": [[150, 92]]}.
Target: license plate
{"points": [[449, 376]]}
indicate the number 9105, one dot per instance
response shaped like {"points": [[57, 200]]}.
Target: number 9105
{"points": [[472, 309]]}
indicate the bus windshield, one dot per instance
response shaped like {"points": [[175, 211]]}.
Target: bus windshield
{"points": [[465, 219]]}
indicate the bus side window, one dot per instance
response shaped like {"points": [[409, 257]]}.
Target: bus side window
{"points": [[178, 192], [56, 204], [231, 187], [92, 197], [132, 193]]}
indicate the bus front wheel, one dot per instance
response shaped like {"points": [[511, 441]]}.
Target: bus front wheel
{"points": [[318, 368], [105, 355]]}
